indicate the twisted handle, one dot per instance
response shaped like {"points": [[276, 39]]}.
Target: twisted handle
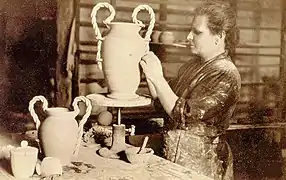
{"points": [[96, 28], [84, 118], [152, 17], [32, 110]]}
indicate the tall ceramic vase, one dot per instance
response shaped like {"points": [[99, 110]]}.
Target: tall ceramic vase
{"points": [[59, 134], [121, 50]]}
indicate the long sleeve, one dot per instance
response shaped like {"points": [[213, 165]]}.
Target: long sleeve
{"points": [[207, 94], [210, 101]]}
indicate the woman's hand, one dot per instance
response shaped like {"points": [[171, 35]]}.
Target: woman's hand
{"points": [[152, 67], [159, 87]]}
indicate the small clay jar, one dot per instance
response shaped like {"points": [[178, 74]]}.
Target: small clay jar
{"points": [[23, 160], [167, 37]]}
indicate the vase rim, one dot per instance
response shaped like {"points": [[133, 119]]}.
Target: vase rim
{"points": [[57, 109]]}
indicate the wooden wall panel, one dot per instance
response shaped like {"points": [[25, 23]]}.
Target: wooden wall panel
{"points": [[258, 54]]}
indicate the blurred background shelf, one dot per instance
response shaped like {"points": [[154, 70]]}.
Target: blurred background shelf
{"points": [[256, 133], [259, 54]]}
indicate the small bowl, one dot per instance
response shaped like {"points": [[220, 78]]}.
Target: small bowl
{"points": [[141, 158]]}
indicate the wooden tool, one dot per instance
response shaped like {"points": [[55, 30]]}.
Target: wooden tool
{"points": [[143, 145]]}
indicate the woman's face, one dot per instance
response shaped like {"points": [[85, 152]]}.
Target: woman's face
{"points": [[202, 42]]}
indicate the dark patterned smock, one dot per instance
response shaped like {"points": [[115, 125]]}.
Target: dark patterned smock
{"points": [[193, 135]]}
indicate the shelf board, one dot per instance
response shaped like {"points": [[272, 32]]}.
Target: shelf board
{"points": [[254, 7], [116, 8], [256, 126], [241, 45], [247, 102], [256, 65], [176, 45], [178, 26], [143, 82], [92, 80], [256, 54], [183, 45], [163, 2], [253, 84], [256, 27], [88, 61], [88, 24], [256, 45], [86, 51], [88, 43]]}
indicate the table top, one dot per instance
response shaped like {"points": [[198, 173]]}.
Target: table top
{"points": [[88, 165]]}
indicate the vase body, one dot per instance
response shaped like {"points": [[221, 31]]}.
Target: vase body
{"points": [[58, 134], [122, 49]]}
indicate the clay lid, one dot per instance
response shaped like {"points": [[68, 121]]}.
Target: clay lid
{"points": [[24, 149]]}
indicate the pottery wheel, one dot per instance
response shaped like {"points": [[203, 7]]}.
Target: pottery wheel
{"points": [[103, 100]]}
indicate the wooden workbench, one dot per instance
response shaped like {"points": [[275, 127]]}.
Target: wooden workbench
{"points": [[90, 166]]}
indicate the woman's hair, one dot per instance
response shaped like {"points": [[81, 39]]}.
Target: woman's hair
{"points": [[221, 17]]}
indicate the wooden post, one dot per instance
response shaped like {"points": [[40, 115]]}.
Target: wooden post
{"points": [[283, 82], [113, 3], [283, 59], [75, 76], [163, 15], [233, 4], [64, 24]]}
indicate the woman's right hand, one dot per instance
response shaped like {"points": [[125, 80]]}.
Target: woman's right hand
{"points": [[153, 70], [152, 67]]}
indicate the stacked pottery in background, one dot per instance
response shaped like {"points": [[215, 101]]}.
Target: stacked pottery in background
{"points": [[167, 37]]}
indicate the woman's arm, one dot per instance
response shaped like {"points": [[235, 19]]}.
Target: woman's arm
{"points": [[152, 89], [165, 94], [212, 98], [158, 86]]}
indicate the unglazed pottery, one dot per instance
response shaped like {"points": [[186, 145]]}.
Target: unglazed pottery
{"points": [[59, 134], [167, 37], [121, 50], [138, 158], [23, 160], [50, 166]]}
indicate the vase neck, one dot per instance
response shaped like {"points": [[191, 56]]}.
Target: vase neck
{"points": [[125, 28], [59, 111]]}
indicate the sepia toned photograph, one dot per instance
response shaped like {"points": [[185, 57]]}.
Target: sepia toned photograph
{"points": [[143, 89]]}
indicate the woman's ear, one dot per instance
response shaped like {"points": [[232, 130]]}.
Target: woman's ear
{"points": [[222, 35]]}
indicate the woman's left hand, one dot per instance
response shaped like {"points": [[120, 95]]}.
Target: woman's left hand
{"points": [[152, 67]]}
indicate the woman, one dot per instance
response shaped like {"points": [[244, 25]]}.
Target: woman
{"points": [[200, 101]]}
